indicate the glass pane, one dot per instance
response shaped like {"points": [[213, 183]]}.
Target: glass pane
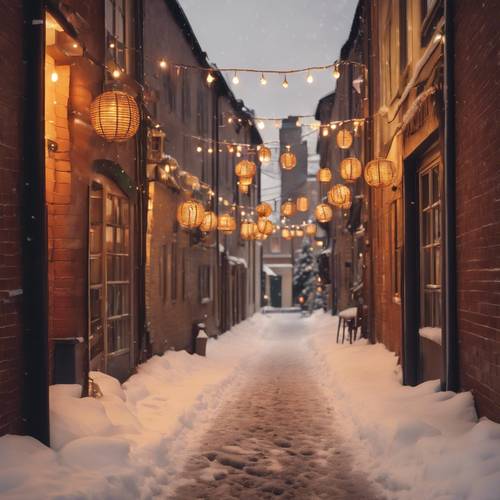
{"points": [[95, 239], [426, 227], [427, 272], [95, 270], [125, 213], [435, 184], [437, 265], [95, 210], [437, 223], [118, 334], [110, 238], [109, 209], [424, 187], [95, 303]]}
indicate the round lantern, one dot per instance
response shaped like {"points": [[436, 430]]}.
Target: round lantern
{"points": [[243, 189], [344, 139], [260, 236], [245, 168], [265, 226], [248, 230], [292, 233], [264, 154], [311, 229], [347, 205], [380, 173], [302, 204], [288, 209], [115, 116], [264, 209], [288, 160], [324, 175], [350, 169], [323, 212], [245, 181], [226, 223], [209, 222], [285, 234], [339, 195], [190, 214], [299, 233]]}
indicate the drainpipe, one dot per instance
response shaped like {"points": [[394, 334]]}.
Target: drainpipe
{"points": [[35, 387], [452, 382]]}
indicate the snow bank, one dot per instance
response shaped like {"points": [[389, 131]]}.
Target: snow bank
{"points": [[416, 442], [130, 442]]}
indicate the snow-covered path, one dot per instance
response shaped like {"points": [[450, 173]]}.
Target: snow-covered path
{"points": [[275, 434]]}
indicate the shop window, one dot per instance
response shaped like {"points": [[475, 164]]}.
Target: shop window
{"points": [[430, 245], [396, 246], [205, 284]]}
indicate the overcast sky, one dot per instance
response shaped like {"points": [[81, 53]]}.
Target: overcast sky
{"points": [[274, 34]]}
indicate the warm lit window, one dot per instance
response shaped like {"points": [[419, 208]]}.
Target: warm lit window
{"points": [[430, 245], [115, 31], [396, 245]]}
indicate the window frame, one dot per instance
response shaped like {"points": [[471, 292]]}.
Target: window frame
{"points": [[396, 236]]}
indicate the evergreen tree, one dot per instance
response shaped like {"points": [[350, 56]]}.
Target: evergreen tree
{"points": [[305, 278]]}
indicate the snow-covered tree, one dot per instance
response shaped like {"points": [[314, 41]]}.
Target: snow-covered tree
{"points": [[305, 279]]}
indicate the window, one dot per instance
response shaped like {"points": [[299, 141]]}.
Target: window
{"points": [[396, 245], [115, 31], [430, 245], [109, 275], [173, 272], [205, 284], [185, 97], [275, 245]]}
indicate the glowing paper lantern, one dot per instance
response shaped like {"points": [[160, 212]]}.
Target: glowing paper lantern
{"points": [[265, 226], [288, 208], [226, 224], [380, 172], [311, 229], [209, 222], [299, 233], [260, 236], [264, 154], [323, 213], [285, 234], [264, 209], [288, 160], [243, 189], [344, 139], [302, 204], [339, 195], [115, 116], [248, 230], [245, 168], [190, 214], [324, 175], [350, 169], [245, 181]]}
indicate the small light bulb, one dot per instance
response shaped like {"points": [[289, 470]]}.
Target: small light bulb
{"points": [[243, 213], [333, 126], [235, 79], [199, 149], [116, 73], [210, 78], [238, 154], [263, 80], [285, 83], [230, 119], [309, 78], [231, 149], [112, 45], [210, 150], [157, 125], [163, 64], [324, 132], [75, 45], [261, 125], [336, 72], [54, 76]]}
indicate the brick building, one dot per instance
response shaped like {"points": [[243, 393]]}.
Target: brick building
{"points": [[94, 272], [430, 256]]}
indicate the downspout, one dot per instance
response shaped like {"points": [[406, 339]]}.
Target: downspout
{"points": [[35, 388], [215, 177], [452, 382], [142, 200]]}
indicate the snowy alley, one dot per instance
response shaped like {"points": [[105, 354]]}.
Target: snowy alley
{"points": [[277, 408]]}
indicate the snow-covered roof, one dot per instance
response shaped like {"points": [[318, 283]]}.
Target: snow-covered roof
{"points": [[268, 270], [237, 260]]}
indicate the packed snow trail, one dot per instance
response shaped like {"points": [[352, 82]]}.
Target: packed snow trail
{"points": [[275, 435]]}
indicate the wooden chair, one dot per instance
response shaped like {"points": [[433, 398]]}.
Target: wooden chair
{"points": [[348, 318]]}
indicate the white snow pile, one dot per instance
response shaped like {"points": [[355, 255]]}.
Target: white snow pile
{"points": [[130, 442], [415, 442]]}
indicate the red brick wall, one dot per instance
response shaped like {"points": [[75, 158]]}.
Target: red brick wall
{"points": [[478, 200], [11, 69]]}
